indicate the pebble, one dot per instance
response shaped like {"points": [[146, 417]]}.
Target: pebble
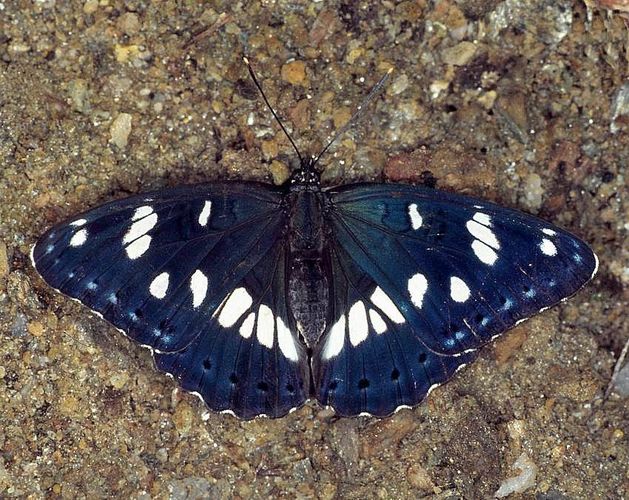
{"points": [[533, 191], [521, 482], [419, 478], [460, 54], [120, 130], [621, 384], [128, 23], [35, 328], [4, 260], [509, 344], [119, 380], [620, 106], [183, 417], [399, 85], [294, 72], [279, 171], [78, 92]]}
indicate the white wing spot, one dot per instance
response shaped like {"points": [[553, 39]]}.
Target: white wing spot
{"points": [[417, 287], [336, 339], [482, 233], [142, 212], [549, 232], [138, 247], [246, 329], [482, 218], [78, 238], [198, 287], [459, 291], [416, 218], [358, 326], [377, 322], [140, 228], [78, 223], [266, 326], [485, 253], [235, 306], [204, 216], [548, 247], [285, 340], [159, 286], [386, 305]]}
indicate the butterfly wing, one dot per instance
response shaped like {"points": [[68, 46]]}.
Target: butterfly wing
{"points": [[182, 271], [427, 278]]}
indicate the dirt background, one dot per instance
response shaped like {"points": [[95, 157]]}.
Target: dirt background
{"points": [[521, 102]]}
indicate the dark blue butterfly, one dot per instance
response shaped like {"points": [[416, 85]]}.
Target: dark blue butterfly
{"points": [[364, 296]]}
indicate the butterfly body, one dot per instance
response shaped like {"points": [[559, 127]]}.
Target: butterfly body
{"points": [[365, 297], [308, 263]]}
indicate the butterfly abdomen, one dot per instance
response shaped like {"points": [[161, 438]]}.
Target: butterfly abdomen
{"points": [[308, 290]]}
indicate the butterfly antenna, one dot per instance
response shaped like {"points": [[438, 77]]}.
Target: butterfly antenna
{"points": [[268, 104], [357, 114]]}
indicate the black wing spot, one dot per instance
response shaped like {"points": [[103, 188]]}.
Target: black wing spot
{"points": [[333, 385], [363, 383], [395, 374], [290, 388], [207, 364], [422, 357], [233, 379], [263, 386], [479, 318]]}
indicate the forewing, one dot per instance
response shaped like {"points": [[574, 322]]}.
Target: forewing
{"points": [[449, 273], [162, 266]]}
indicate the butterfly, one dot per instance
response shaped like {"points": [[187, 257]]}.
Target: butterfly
{"points": [[364, 297]]}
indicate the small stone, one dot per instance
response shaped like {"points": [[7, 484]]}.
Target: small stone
{"points": [[294, 72], [279, 172], [399, 85], [269, 149], [620, 107], [119, 380], [341, 116], [509, 344], [78, 92], [129, 23], [460, 54], [4, 260], [124, 53], [521, 482], [533, 191], [90, 6], [69, 405], [621, 384], [183, 418], [511, 107], [120, 130], [35, 328], [419, 478], [387, 434], [354, 54]]}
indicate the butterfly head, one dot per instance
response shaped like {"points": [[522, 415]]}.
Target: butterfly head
{"points": [[306, 176]]}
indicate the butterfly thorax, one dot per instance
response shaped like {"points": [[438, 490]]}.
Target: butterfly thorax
{"points": [[308, 284]]}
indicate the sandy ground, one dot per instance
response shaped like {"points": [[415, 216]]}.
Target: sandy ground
{"points": [[523, 103]]}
